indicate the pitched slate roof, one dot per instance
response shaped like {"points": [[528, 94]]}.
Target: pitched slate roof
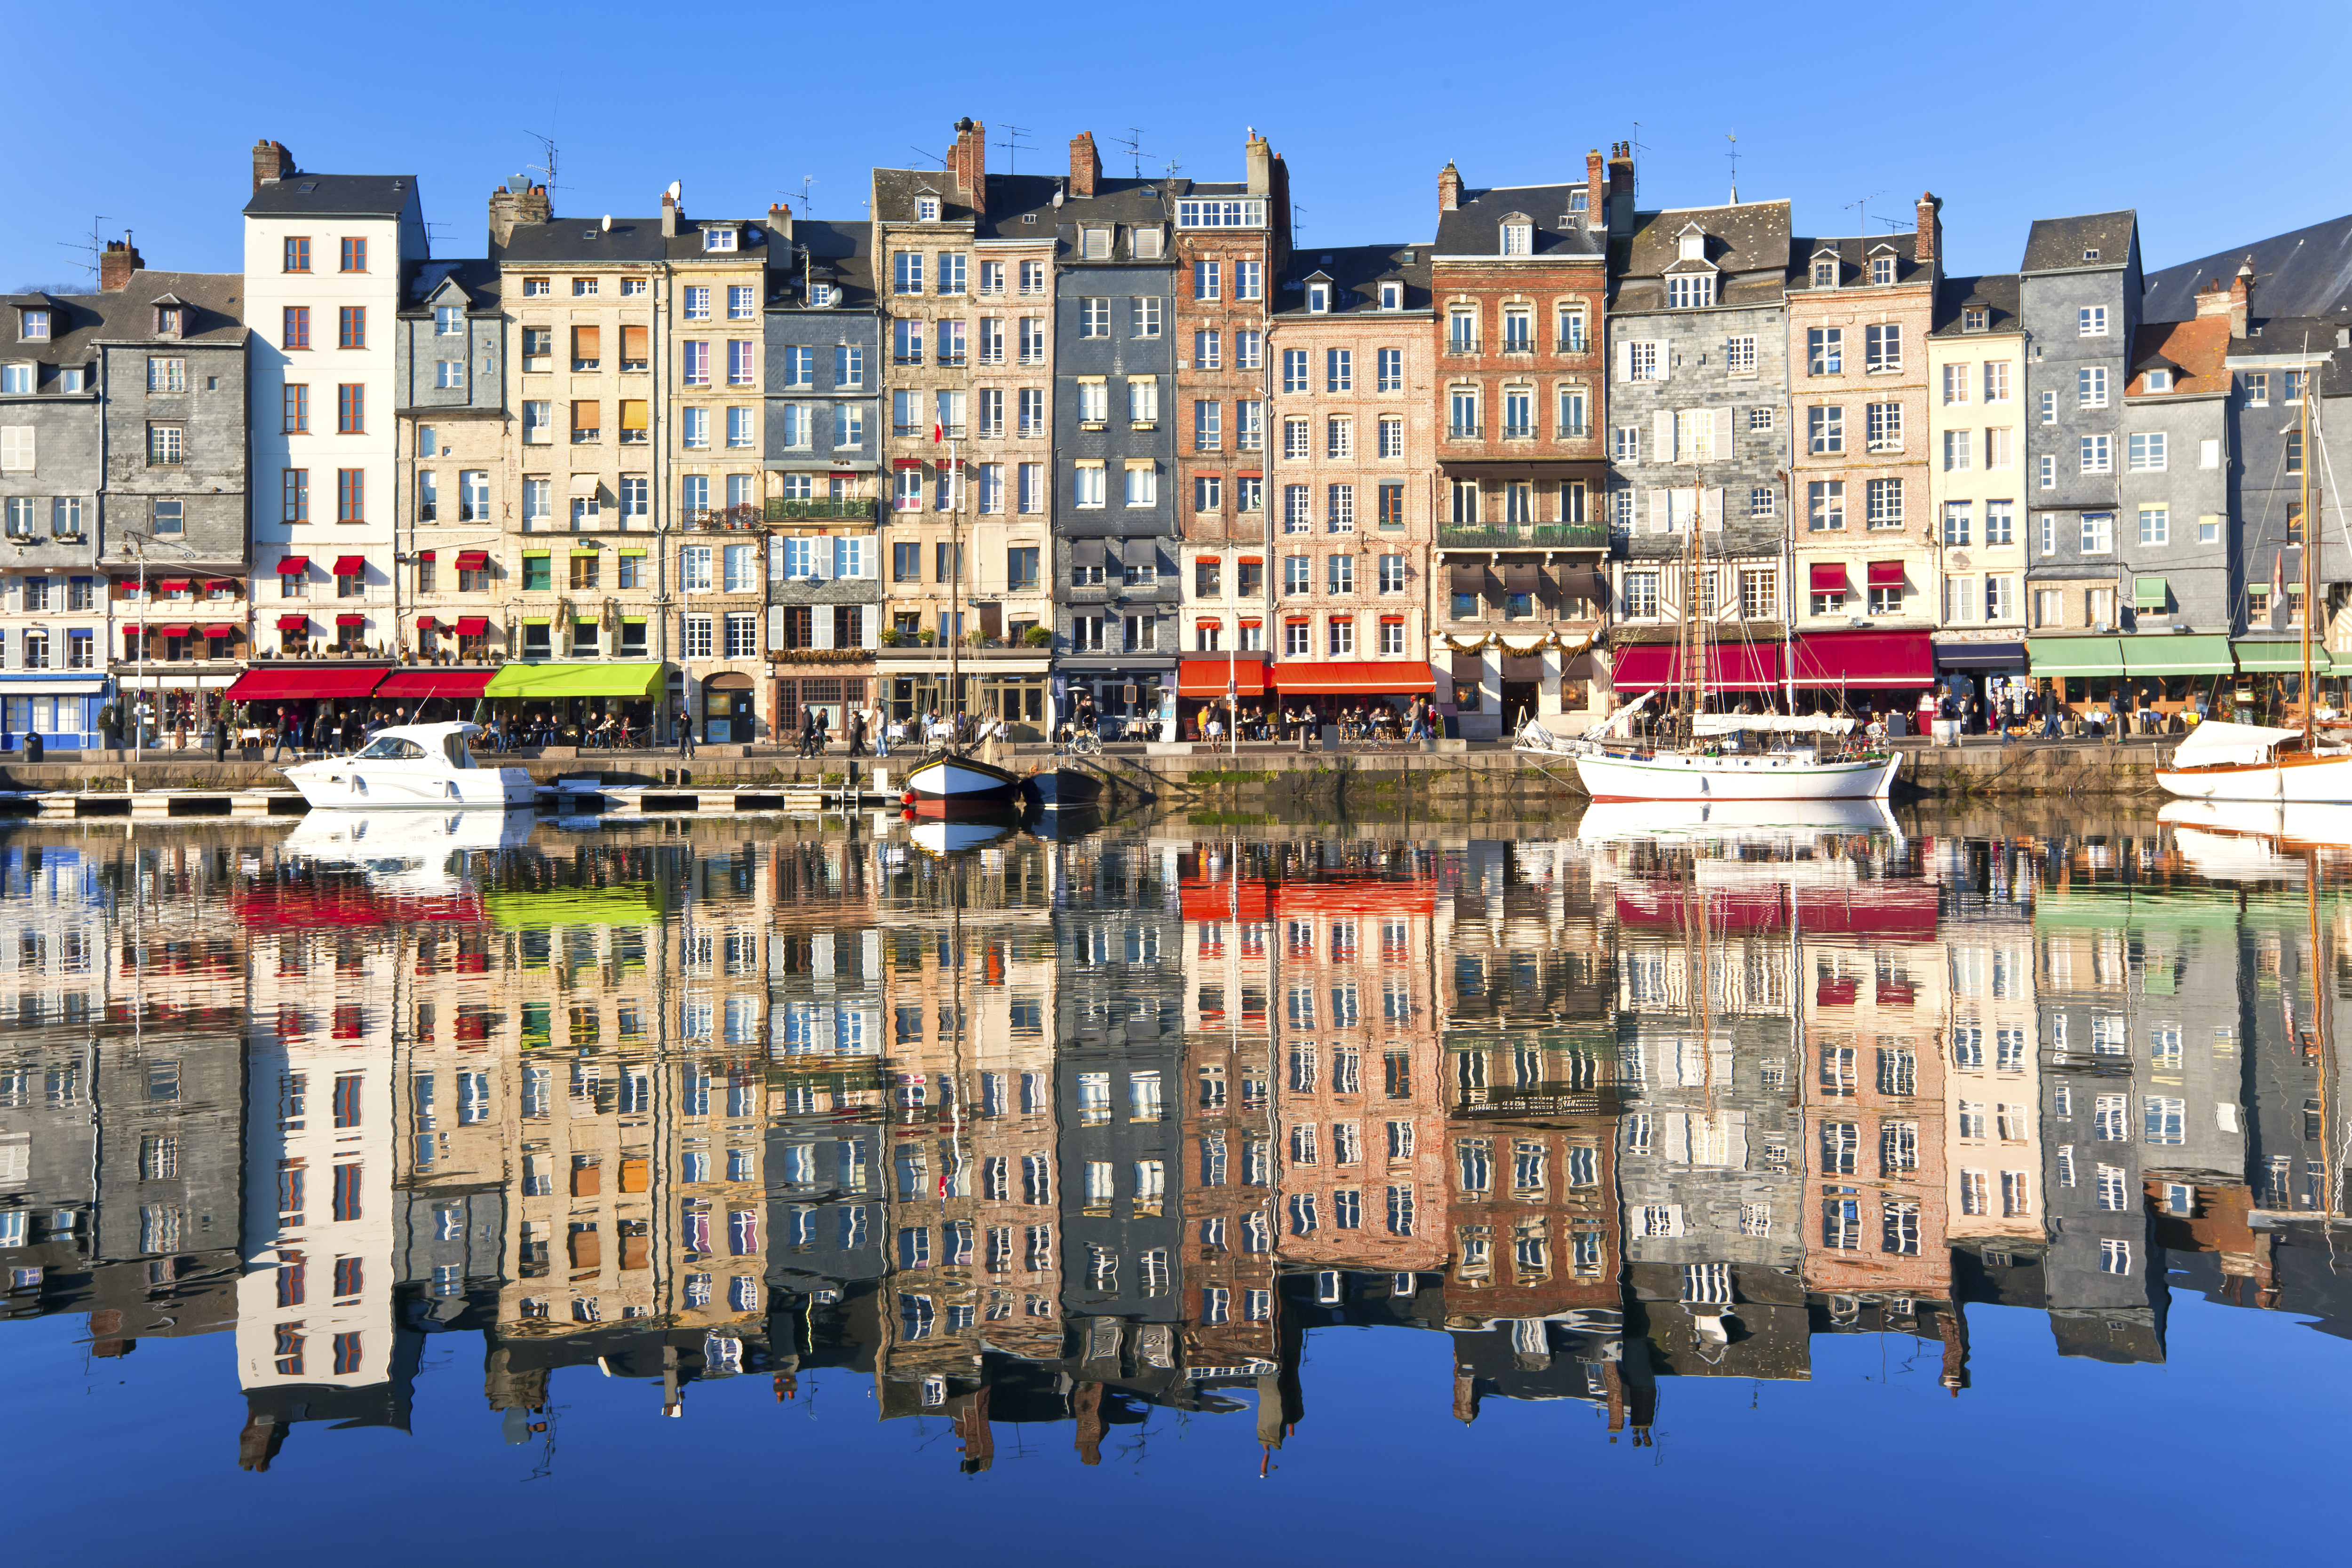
{"points": [[1476, 227], [1356, 273], [1996, 291], [843, 249], [582, 240], [334, 195], [1855, 253], [2303, 272], [2056, 244]]}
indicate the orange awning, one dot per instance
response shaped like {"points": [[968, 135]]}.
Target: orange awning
{"points": [[1350, 678], [1206, 677]]}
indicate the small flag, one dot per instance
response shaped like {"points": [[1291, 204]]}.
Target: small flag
{"points": [[939, 432]]}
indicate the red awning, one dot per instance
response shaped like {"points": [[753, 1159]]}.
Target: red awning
{"points": [[1731, 667], [293, 565], [172, 585], [271, 686], [1887, 574], [351, 565], [221, 630], [1866, 660], [425, 623], [1827, 577], [172, 630], [906, 463], [1889, 911], [1354, 896], [472, 625], [1222, 900], [1348, 677], [456, 684], [425, 555], [473, 560], [1206, 677], [351, 620], [214, 585], [293, 622], [1654, 905]]}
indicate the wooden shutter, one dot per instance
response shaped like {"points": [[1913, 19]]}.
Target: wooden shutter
{"points": [[1660, 512], [819, 629], [1624, 361], [869, 633], [1723, 446], [585, 341], [775, 627], [633, 343], [1710, 509], [1662, 436], [821, 555], [587, 413]]}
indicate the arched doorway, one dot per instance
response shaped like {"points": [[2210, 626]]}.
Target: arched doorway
{"points": [[727, 708]]}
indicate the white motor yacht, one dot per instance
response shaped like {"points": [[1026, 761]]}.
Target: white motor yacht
{"points": [[423, 765]]}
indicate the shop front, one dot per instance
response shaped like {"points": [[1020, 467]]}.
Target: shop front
{"points": [[727, 708], [576, 705], [1741, 676], [1993, 671], [1016, 689], [1204, 685], [317, 707], [1370, 695], [1133, 699], [2077, 674], [2268, 682], [1863, 673], [61, 709], [178, 705], [434, 694], [836, 693]]}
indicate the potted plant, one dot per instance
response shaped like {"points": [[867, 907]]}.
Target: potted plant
{"points": [[1039, 636], [926, 637]]}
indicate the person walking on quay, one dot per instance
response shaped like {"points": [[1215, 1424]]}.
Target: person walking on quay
{"points": [[685, 737], [858, 732], [283, 734]]}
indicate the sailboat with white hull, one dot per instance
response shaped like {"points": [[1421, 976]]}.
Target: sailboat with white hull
{"points": [[1702, 756]]}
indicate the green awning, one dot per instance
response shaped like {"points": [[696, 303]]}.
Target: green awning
{"points": [[2064, 657], [2153, 653], [574, 681], [2151, 593], [2279, 658], [524, 909]]}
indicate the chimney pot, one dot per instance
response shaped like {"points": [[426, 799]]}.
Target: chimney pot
{"points": [[1449, 188], [1927, 246], [1085, 164], [271, 163], [117, 263]]}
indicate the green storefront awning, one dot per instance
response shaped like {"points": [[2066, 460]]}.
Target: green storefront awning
{"points": [[2064, 656], [2151, 593], [2153, 655], [529, 908], [2279, 658], [574, 681]]}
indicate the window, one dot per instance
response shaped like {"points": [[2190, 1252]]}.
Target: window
{"points": [[2098, 454], [1996, 380], [354, 257], [1690, 290], [1882, 424], [1958, 524], [1958, 450], [1824, 350], [2091, 386], [2091, 321], [2258, 388], [1143, 317], [2098, 533], [1882, 346], [351, 326], [166, 445], [2049, 471], [1884, 500], [1825, 430], [1825, 504]]}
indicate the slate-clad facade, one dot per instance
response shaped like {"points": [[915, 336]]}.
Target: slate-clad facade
{"points": [[1114, 448]]}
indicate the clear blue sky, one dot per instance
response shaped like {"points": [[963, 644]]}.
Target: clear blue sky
{"points": [[2009, 112]]}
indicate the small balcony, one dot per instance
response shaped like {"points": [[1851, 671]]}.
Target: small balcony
{"points": [[820, 509], [1462, 431], [1524, 536]]}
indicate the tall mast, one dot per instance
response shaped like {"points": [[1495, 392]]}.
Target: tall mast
{"points": [[2310, 539]]}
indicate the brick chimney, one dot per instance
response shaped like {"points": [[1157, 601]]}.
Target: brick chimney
{"points": [[967, 165], [117, 263], [1258, 154], [2241, 297], [1928, 246], [1596, 188], [271, 163], [671, 199], [509, 209], [2214, 300], [779, 221], [1449, 188], [1621, 187], [1085, 164]]}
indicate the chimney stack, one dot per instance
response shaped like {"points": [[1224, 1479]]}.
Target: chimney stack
{"points": [[511, 208], [2242, 296], [1258, 154], [1596, 188], [1449, 188], [1927, 249], [271, 163], [117, 263], [1085, 164], [669, 209], [2214, 299], [779, 221], [1621, 187], [967, 165]]}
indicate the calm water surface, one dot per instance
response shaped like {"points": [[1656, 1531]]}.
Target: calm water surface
{"points": [[449, 1186]]}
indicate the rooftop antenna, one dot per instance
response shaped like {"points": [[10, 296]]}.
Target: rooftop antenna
{"points": [[806, 180], [1013, 146], [1863, 208], [1641, 148], [547, 151], [1297, 228], [1133, 143], [1733, 137], [93, 247], [932, 157]]}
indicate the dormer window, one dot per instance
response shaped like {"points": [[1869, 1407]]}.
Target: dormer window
{"points": [[2160, 381], [32, 325], [927, 209], [1318, 298], [1882, 270], [1519, 239], [2090, 256], [1825, 272], [721, 238], [1094, 244], [1392, 296], [1691, 246], [1143, 245], [820, 293], [1577, 202], [1690, 290], [1975, 318], [168, 319]]}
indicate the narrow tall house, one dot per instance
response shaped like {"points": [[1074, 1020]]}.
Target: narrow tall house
{"points": [[1518, 279], [324, 258], [1114, 444], [1698, 410], [1860, 310], [1976, 481]]}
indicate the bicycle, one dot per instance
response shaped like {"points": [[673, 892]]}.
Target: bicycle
{"points": [[1086, 743]]}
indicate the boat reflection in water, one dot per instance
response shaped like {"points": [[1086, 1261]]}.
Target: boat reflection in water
{"points": [[1063, 1134]]}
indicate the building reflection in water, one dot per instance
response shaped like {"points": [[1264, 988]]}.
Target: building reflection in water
{"points": [[1056, 1134]]}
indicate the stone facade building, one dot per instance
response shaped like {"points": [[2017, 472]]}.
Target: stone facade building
{"points": [[456, 472], [1976, 481], [1519, 280]]}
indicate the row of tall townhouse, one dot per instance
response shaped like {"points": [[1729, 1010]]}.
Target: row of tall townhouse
{"points": [[1119, 436]]}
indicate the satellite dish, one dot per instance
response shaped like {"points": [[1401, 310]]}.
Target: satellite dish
{"points": [[608, 225]]}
